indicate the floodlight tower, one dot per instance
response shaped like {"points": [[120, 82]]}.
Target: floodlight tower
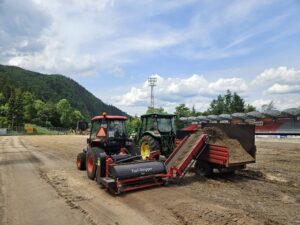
{"points": [[152, 83]]}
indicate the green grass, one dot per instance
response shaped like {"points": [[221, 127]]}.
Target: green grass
{"points": [[42, 130]]}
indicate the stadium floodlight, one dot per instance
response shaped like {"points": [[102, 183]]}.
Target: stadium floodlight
{"points": [[152, 83]]}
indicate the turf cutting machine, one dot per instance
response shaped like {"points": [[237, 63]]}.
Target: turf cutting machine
{"points": [[125, 172], [111, 159]]}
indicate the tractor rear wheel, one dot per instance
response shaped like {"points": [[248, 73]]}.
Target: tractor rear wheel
{"points": [[147, 145], [81, 160], [91, 159], [203, 168]]}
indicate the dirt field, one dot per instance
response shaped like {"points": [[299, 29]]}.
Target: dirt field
{"points": [[39, 184]]}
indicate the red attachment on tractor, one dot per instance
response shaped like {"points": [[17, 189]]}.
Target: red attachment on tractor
{"points": [[109, 161], [154, 155], [192, 127], [122, 151], [180, 164]]}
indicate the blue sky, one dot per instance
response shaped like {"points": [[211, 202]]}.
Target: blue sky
{"points": [[197, 49]]}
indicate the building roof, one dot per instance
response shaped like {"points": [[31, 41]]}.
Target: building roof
{"points": [[292, 111], [110, 117], [272, 113], [213, 117], [254, 114], [239, 115], [201, 118], [225, 116], [158, 115]]}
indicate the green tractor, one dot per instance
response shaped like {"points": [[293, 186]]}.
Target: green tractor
{"points": [[156, 132]]}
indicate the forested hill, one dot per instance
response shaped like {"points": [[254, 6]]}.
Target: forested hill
{"points": [[55, 87]]}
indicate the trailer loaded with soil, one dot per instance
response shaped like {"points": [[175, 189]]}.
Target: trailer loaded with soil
{"points": [[112, 161]]}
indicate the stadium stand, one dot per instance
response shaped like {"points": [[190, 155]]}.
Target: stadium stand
{"points": [[267, 122]]}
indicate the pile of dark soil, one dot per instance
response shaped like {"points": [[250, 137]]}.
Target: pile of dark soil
{"points": [[237, 153]]}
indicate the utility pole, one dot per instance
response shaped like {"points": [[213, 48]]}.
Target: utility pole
{"points": [[152, 83]]}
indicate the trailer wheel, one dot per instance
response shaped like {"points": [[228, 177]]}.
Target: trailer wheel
{"points": [[81, 160], [203, 168], [91, 158], [147, 145]]}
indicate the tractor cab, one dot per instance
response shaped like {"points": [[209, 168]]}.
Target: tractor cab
{"points": [[109, 133], [157, 132]]}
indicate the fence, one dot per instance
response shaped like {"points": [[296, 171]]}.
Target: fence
{"points": [[36, 130]]}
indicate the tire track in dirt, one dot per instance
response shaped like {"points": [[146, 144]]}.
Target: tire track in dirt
{"points": [[61, 188], [81, 194], [27, 198], [3, 144]]}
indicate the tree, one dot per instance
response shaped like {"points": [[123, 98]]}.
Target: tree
{"points": [[250, 108], [237, 104], [159, 110], [269, 106], [133, 124], [181, 111], [53, 116], [217, 106], [3, 115], [15, 115], [29, 106], [76, 116], [2, 98], [193, 112], [64, 109], [229, 103]]}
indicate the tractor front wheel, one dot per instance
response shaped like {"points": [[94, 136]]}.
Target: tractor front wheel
{"points": [[91, 159], [81, 160], [147, 145]]}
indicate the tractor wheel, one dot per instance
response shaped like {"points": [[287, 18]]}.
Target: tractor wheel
{"points": [[81, 160], [147, 145], [203, 168], [91, 159]]}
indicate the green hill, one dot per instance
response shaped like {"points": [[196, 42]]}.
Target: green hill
{"points": [[55, 87]]}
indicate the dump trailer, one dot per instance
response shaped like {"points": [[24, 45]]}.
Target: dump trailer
{"points": [[231, 147]]}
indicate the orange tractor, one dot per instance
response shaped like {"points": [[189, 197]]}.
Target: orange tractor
{"points": [[108, 135]]}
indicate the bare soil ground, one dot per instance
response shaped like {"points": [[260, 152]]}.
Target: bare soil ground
{"points": [[39, 184]]}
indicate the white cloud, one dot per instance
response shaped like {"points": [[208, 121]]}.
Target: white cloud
{"points": [[135, 96], [88, 37], [281, 74], [233, 84], [281, 102], [283, 88], [170, 91], [260, 102]]}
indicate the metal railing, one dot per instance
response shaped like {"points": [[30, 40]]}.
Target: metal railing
{"points": [[36, 130]]}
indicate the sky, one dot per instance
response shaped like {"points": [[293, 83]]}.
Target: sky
{"points": [[197, 49]]}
